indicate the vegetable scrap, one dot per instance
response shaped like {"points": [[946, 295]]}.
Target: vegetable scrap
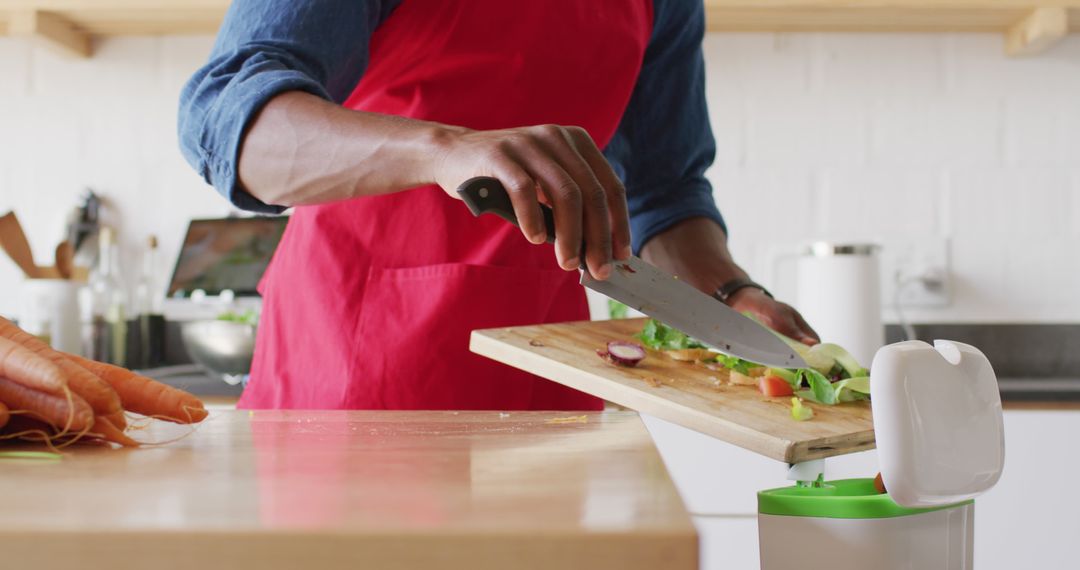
{"points": [[569, 420], [658, 336], [691, 354], [622, 353], [774, 386], [617, 309], [799, 412], [653, 382], [535, 342], [832, 377], [60, 399], [879, 484]]}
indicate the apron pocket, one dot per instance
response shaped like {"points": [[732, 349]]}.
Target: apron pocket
{"points": [[412, 337]]}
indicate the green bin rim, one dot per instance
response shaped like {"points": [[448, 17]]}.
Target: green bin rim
{"points": [[840, 499]]}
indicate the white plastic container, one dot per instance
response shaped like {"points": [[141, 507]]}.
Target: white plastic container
{"points": [[50, 309], [940, 439]]}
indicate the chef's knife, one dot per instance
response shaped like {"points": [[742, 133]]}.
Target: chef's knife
{"points": [[663, 297]]}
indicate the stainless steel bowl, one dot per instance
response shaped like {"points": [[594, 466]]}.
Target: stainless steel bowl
{"points": [[222, 347]]}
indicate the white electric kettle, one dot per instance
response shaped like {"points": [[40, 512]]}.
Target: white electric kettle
{"points": [[839, 294]]}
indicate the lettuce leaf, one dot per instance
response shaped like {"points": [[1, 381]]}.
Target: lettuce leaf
{"points": [[821, 389], [800, 412], [734, 363], [658, 336], [852, 389]]}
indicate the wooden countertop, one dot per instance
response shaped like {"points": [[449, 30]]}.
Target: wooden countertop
{"points": [[326, 490]]}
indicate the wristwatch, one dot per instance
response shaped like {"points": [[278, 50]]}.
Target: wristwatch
{"points": [[725, 291]]}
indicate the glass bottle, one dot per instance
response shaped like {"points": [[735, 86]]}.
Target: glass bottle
{"points": [[149, 321], [104, 320]]}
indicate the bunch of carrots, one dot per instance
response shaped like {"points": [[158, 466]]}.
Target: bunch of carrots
{"points": [[54, 397]]}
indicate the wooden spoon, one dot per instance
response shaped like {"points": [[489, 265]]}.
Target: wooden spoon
{"points": [[13, 240], [65, 259]]}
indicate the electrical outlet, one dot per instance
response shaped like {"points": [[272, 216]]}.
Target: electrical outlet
{"points": [[915, 272]]}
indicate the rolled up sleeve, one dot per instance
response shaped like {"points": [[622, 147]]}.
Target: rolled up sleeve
{"points": [[664, 143], [265, 48]]}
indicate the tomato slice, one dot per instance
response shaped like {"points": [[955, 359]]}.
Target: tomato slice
{"points": [[774, 386]]}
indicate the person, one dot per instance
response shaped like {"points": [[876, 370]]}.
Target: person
{"points": [[365, 116]]}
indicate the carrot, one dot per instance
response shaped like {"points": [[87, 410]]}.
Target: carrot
{"points": [[4, 415], [102, 398], [118, 419], [109, 432], [19, 364], [65, 414], [146, 396]]}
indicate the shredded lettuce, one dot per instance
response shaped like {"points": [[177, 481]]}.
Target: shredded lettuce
{"points": [[827, 362], [617, 309], [658, 336], [821, 389], [844, 363], [852, 389], [800, 412], [734, 363], [789, 376]]}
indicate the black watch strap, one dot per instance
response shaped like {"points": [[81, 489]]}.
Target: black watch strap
{"points": [[725, 291]]}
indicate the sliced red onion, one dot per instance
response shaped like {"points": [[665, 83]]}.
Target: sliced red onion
{"points": [[625, 353]]}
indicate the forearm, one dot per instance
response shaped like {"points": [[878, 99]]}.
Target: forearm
{"points": [[696, 250], [302, 149]]}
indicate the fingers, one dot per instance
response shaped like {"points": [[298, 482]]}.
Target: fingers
{"points": [[593, 197], [522, 190], [807, 335], [792, 324], [780, 317], [614, 191], [555, 157], [565, 197], [559, 166]]}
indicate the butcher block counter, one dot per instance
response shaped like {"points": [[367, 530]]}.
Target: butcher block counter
{"points": [[327, 490]]}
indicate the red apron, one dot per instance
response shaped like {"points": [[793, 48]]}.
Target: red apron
{"points": [[369, 303]]}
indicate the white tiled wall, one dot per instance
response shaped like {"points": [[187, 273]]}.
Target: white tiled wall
{"points": [[107, 123], [863, 137], [818, 136]]}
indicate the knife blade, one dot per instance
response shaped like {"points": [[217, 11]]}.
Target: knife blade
{"points": [[658, 294]]}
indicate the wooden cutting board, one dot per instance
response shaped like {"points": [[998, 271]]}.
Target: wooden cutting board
{"points": [[680, 392]]}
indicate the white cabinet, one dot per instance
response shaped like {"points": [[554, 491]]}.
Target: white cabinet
{"points": [[728, 542], [1031, 519]]}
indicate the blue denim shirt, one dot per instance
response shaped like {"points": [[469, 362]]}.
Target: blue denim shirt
{"points": [[265, 47]]}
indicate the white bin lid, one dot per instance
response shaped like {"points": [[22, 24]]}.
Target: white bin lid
{"points": [[937, 421]]}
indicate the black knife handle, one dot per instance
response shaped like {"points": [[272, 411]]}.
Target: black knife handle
{"points": [[486, 195]]}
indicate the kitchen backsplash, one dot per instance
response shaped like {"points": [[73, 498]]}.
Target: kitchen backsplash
{"points": [[845, 136]]}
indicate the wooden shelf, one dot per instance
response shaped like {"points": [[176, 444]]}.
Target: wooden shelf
{"points": [[69, 24], [1029, 26]]}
